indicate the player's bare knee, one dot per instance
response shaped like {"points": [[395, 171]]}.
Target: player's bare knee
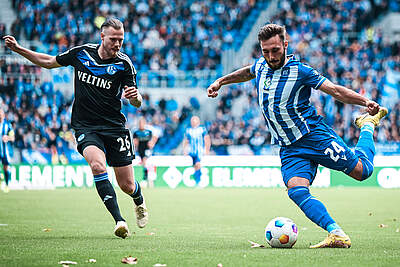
{"points": [[298, 181], [97, 167], [359, 172]]}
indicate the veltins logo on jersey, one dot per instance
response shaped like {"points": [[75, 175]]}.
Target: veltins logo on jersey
{"points": [[111, 69], [93, 80], [267, 84], [80, 138]]}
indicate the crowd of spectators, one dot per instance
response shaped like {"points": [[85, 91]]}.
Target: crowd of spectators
{"points": [[159, 35], [347, 51]]}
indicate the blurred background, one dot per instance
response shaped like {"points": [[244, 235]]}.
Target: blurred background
{"points": [[181, 47]]}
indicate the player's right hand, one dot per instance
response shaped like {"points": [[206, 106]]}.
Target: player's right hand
{"points": [[11, 42], [372, 107], [212, 90]]}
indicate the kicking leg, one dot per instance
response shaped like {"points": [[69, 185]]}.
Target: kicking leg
{"points": [[365, 148], [130, 186]]}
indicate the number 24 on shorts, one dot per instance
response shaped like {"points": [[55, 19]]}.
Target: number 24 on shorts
{"points": [[336, 148]]}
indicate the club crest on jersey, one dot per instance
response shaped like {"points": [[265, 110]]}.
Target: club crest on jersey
{"points": [[285, 72], [111, 69], [80, 138], [267, 84]]}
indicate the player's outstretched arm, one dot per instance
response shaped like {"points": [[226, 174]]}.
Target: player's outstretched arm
{"points": [[40, 59], [238, 76], [348, 96]]}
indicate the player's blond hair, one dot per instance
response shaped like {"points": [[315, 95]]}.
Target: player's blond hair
{"points": [[112, 22]]}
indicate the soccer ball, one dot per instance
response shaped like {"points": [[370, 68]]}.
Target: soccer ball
{"points": [[281, 233]]}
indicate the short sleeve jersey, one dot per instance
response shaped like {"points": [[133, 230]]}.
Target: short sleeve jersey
{"points": [[98, 87]]}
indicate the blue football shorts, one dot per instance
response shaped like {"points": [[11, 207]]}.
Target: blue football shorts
{"points": [[321, 146]]}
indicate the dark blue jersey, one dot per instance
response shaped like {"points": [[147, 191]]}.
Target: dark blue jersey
{"points": [[98, 87]]}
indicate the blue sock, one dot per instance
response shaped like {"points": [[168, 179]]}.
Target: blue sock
{"points": [[365, 150], [137, 194], [197, 176], [312, 207]]}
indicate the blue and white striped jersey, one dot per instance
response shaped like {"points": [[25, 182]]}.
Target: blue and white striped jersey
{"points": [[195, 136], [5, 148], [283, 96]]}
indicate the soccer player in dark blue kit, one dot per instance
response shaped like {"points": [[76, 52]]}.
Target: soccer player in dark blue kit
{"points": [[102, 76], [6, 136], [144, 141], [284, 86]]}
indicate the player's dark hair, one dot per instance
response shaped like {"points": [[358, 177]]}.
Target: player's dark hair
{"points": [[270, 30], [112, 22]]}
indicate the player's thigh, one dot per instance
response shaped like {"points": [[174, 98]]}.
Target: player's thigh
{"points": [[333, 153], [293, 165], [91, 146], [85, 138], [119, 147]]}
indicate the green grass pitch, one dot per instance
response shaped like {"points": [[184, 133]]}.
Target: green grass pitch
{"points": [[194, 227]]}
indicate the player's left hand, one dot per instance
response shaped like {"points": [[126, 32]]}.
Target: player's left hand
{"points": [[372, 107], [130, 92]]}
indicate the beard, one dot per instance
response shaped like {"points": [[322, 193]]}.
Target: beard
{"points": [[279, 64]]}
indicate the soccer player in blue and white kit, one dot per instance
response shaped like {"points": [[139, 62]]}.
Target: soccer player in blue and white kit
{"points": [[196, 144], [6, 136], [284, 86]]}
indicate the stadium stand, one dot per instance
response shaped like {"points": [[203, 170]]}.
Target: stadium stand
{"points": [[165, 39], [168, 51]]}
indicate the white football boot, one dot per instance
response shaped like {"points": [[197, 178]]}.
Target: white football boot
{"points": [[121, 230], [142, 216]]}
